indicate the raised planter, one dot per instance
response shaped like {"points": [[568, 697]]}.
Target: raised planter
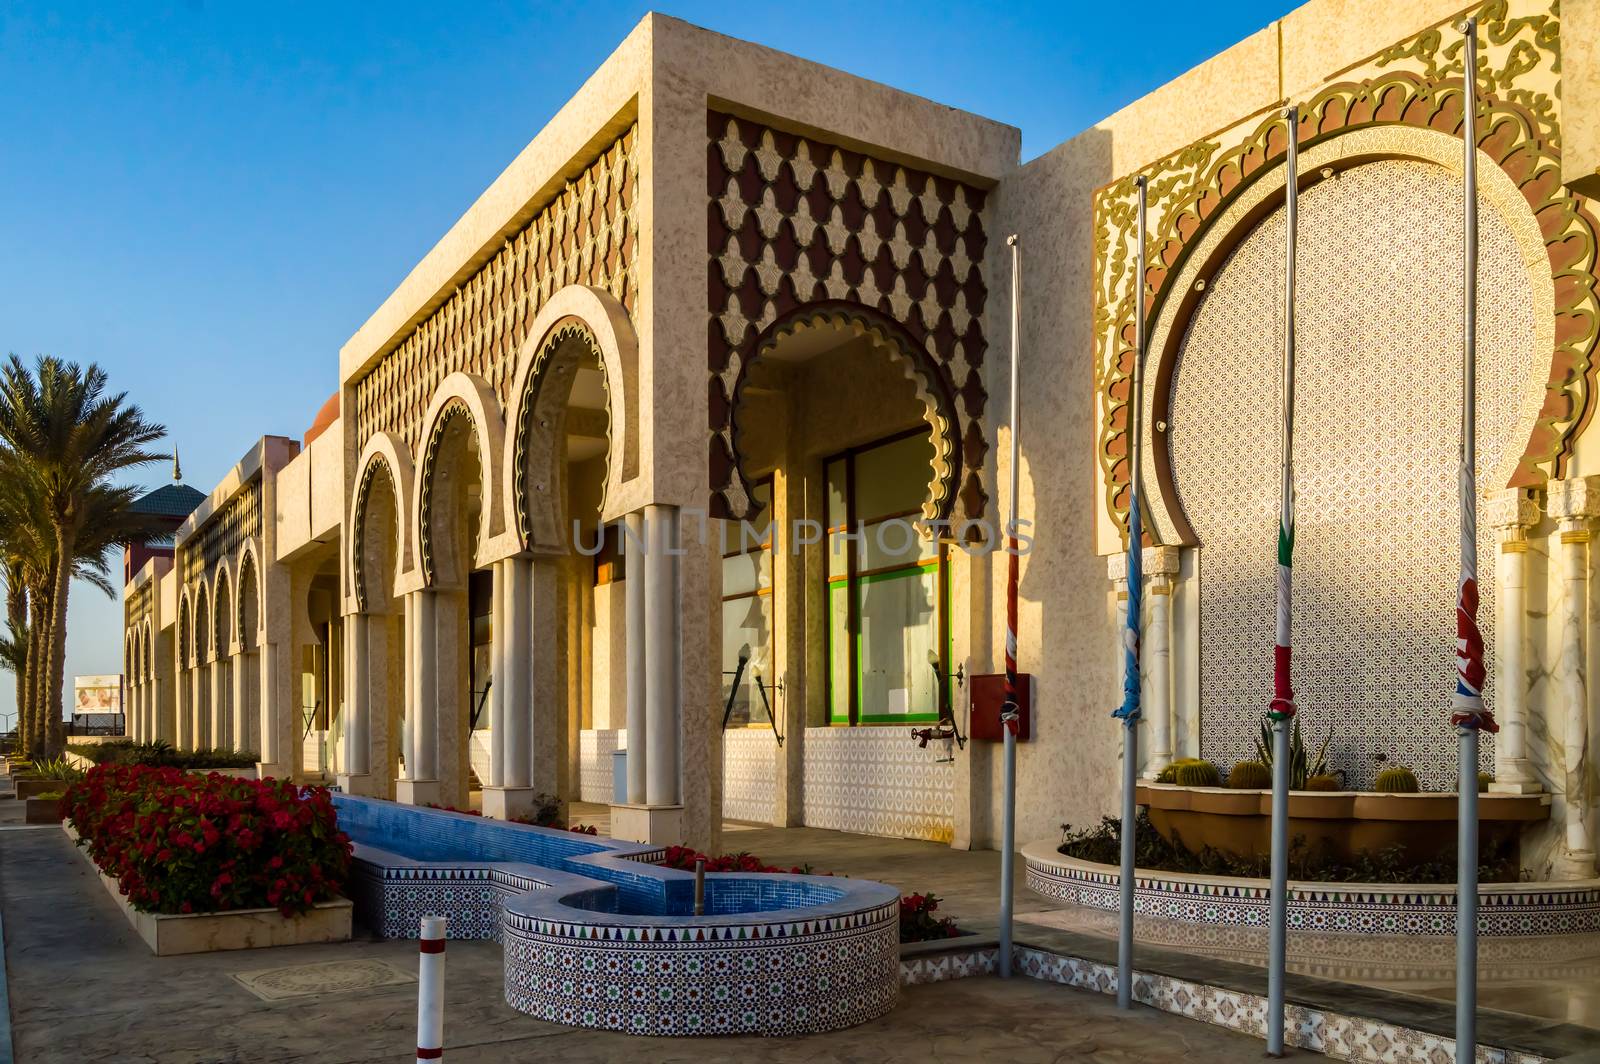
{"points": [[32, 787], [1508, 909], [1345, 823], [42, 811], [171, 935]]}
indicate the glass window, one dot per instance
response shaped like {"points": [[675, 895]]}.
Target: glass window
{"points": [[886, 600]]}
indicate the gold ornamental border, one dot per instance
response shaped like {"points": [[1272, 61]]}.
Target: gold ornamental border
{"points": [[1517, 131]]}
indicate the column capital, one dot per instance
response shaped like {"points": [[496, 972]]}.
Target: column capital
{"points": [[1511, 511], [1158, 561], [1574, 500]]}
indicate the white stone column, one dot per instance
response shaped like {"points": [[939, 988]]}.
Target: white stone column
{"points": [[268, 706], [634, 625], [197, 708], [358, 727], [239, 726], [421, 783], [662, 711], [1161, 565], [1511, 512], [1574, 504], [510, 792], [185, 683], [498, 664]]}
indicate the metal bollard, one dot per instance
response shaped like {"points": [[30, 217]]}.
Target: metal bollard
{"points": [[699, 886], [430, 990]]}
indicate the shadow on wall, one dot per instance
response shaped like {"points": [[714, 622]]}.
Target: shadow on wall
{"points": [[1066, 620]]}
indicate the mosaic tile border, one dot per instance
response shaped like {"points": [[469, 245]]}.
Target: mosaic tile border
{"points": [[1534, 909], [597, 936], [1322, 1031]]}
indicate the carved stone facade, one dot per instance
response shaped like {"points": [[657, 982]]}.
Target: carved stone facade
{"points": [[795, 221], [1416, 84], [587, 235]]}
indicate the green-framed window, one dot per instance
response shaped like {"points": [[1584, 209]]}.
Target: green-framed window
{"points": [[888, 589]]}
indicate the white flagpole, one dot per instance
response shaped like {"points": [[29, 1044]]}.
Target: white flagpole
{"points": [[1008, 809], [1283, 709], [1131, 696], [1469, 716]]}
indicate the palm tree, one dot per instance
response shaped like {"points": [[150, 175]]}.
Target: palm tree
{"points": [[65, 440]]}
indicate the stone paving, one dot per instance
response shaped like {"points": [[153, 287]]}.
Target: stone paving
{"points": [[85, 989]]}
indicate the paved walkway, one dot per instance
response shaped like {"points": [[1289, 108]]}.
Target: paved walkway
{"points": [[85, 989]]}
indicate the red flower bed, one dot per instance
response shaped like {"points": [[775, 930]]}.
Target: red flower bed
{"points": [[684, 857], [917, 922], [177, 842]]}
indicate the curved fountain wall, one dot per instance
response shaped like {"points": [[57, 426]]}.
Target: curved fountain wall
{"points": [[595, 934]]}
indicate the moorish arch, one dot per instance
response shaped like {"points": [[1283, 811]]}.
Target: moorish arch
{"points": [[827, 324], [578, 325], [200, 732], [1378, 337], [224, 631], [384, 472], [462, 427]]}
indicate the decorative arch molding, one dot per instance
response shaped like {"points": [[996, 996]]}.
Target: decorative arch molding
{"points": [[185, 627], [460, 395], [577, 321], [249, 566], [1414, 84], [223, 583], [1235, 223], [383, 456], [885, 335], [198, 630]]}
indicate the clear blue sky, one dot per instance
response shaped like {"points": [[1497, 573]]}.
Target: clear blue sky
{"points": [[209, 199]]}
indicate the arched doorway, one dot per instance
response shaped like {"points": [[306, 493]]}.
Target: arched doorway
{"points": [[838, 638], [222, 668], [200, 732], [247, 715], [361, 733]]}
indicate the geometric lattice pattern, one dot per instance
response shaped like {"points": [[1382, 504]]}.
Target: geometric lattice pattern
{"points": [[794, 220], [588, 234], [1378, 326], [1504, 910], [223, 534], [874, 781]]}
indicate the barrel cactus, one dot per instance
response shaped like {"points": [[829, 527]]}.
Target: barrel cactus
{"points": [[1196, 773], [1322, 783], [1484, 779], [1250, 776], [1397, 780]]}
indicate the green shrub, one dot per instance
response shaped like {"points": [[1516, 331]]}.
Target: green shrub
{"points": [[1397, 780], [1250, 776], [1302, 763], [50, 796], [1103, 845], [57, 768], [1197, 774], [163, 754]]}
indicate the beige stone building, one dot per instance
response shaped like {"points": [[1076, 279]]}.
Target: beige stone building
{"points": [[628, 460]]}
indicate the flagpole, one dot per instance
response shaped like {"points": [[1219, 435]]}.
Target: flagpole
{"points": [[1008, 715], [1130, 709], [1282, 708], [1469, 716]]}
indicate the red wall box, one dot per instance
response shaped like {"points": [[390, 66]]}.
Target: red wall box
{"points": [[988, 695]]}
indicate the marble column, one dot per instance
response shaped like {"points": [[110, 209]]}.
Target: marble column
{"points": [[1511, 512], [268, 705], [1574, 504], [239, 725], [197, 704], [421, 739], [512, 794], [634, 626], [1161, 567], [358, 723], [662, 711]]}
